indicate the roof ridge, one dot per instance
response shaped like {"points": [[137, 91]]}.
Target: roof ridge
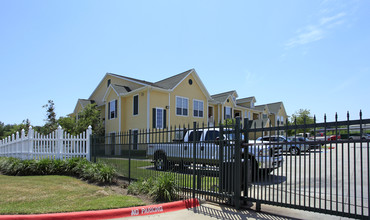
{"points": [[187, 71], [224, 93], [130, 78]]}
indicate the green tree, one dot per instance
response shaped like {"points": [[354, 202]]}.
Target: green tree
{"points": [[68, 124], [300, 117], [90, 115], [51, 121], [8, 130]]}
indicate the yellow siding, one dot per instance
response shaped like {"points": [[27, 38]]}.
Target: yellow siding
{"points": [[128, 119], [157, 100], [78, 108], [112, 125], [192, 92], [99, 93]]}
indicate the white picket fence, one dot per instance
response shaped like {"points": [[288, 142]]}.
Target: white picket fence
{"points": [[56, 145]]}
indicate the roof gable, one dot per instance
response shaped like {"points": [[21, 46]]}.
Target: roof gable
{"points": [[83, 103], [173, 81], [246, 100], [275, 107], [222, 97]]}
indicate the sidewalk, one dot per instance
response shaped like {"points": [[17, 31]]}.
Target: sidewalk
{"points": [[208, 210]]}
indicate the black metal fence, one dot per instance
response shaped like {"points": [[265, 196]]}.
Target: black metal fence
{"points": [[320, 167]]}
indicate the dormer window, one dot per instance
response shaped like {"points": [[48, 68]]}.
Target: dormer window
{"points": [[108, 83], [252, 104]]}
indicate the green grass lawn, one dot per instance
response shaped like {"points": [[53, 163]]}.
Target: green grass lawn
{"points": [[52, 194], [144, 168]]}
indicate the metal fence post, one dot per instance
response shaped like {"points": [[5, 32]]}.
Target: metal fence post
{"points": [[247, 175], [129, 155], [237, 165], [194, 155]]}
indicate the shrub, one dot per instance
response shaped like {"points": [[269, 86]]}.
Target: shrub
{"points": [[78, 167], [141, 186], [165, 188], [162, 188]]}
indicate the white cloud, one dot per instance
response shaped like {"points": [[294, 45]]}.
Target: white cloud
{"points": [[326, 20], [308, 35], [316, 32]]}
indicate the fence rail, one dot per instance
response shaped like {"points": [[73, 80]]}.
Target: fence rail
{"points": [[328, 173], [56, 145]]}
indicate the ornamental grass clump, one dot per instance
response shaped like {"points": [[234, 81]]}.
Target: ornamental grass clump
{"points": [[162, 188], [165, 188]]}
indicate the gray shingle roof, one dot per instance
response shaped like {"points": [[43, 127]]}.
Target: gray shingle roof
{"points": [[260, 107], [274, 107], [221, 97], [172, 81], [168, 83], [85, 102], [121, 89], [133, 79], [258, 123], [244, 100]]}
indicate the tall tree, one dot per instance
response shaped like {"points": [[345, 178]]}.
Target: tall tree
{"points": [[90, 115], [51, 121], [300, 117]]}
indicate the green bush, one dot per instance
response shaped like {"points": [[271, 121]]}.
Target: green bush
{"points": [[78, 167], [141, 186], [165, 188], [162, 188]]}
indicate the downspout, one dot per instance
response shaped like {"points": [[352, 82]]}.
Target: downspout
{"points": [[169, 114], [148, 113], [119, 114]]}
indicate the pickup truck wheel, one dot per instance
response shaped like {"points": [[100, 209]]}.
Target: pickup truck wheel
{"points": [[294, 151], [160, 162]]}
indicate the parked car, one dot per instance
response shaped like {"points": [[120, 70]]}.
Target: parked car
{"points": [[358, 136], [264, 158], [294, 149], [311, 143]]}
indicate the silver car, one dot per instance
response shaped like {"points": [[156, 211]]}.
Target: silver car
{"points": [[294, 149]]}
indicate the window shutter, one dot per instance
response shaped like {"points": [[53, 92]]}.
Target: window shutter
{"points": [[164, 118], [115, 109], [108, 110], [136, 105], [225, 113], [154, 117]]}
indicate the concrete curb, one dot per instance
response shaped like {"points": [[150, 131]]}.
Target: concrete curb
{"points": [[112, 213]]}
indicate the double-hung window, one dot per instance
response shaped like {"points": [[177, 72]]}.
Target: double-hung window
{"points": [[182, 106], [198, 108], [112, 109], [136, 105], [227, 112]]}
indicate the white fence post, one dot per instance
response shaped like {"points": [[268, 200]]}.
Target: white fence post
{"points": [[88, 141], [29, 141], [23, 135], [58, 145], [60, 142]]}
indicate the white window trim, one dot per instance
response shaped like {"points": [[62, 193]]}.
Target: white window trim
{"points": [[156, 118], [231, 114], [133, 105], [194, 100], [187, 99], [116, 110]]}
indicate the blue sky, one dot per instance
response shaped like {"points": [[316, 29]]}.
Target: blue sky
{"points": [[309, 54]]}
